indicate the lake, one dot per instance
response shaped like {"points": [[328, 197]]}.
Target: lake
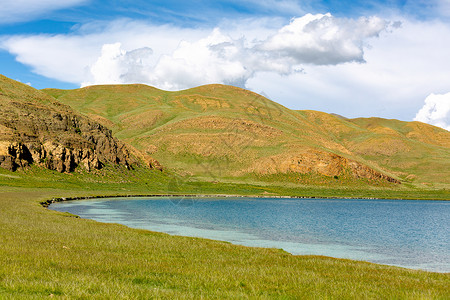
{"points": [[411, 234]]}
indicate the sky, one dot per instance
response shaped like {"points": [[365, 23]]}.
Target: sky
{"points": [[372, 58]]}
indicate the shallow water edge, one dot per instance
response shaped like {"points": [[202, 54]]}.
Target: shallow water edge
{"points": [[311, 238]]}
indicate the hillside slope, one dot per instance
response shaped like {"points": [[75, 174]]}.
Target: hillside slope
{"points": [[36, 129], [223, 132]]}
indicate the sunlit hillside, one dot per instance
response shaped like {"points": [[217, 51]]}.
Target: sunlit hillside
{"points": [[224, 132]]}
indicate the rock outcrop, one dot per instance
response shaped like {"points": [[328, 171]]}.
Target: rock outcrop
{"points": [[35, 129], [319, 162]]}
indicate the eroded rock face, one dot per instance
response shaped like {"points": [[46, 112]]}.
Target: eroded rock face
{"points": [[35, 129], [324, 163], [62, 144], [13, 156]]}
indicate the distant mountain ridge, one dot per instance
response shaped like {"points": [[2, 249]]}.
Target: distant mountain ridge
{"points": [[221, 132]]}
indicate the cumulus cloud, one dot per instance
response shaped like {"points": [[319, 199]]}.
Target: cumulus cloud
{"points": [[324, 39], [218, 58], [116, 65], [213, 59], [70, 57], [21, 10], [436, 111]]}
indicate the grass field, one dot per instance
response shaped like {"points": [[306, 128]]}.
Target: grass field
{"points": [[142, 181], [46, 253]]}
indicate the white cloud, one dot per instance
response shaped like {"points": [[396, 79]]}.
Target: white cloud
{"points": [[218, 58], [68, 58], [214, 59], [209, 60], [324, 39], [59, 57], [436, 111], [116, 65], [22, 10]]}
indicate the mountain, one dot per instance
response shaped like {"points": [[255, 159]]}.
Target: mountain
{"points": [[219, 132], [37, 129]]}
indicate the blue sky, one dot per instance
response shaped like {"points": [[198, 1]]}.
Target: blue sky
{"points": [[380, 58]]}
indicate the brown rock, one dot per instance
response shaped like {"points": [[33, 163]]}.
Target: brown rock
{"points": [[35, 129], [320, 162]]}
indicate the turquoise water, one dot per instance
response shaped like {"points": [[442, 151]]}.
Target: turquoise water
{"points": [[412, 234]]}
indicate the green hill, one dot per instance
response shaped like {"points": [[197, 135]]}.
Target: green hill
{"points": [[224, 133], [215, 133]]}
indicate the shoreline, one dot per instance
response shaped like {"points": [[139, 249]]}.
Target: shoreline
{"points": [[48, 202]]}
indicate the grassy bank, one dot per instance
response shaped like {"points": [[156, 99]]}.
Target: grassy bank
{"points": [[142, 181], [46, 253]]}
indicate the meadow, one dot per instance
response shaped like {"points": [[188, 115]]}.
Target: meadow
{"points": [[46, 253]]}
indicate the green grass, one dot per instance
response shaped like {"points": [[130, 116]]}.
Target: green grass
{"points": [[142, 181], [47, 253]]}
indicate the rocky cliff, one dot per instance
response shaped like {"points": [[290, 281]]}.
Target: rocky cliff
{"points": [[319, 162], [36, 129]]}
